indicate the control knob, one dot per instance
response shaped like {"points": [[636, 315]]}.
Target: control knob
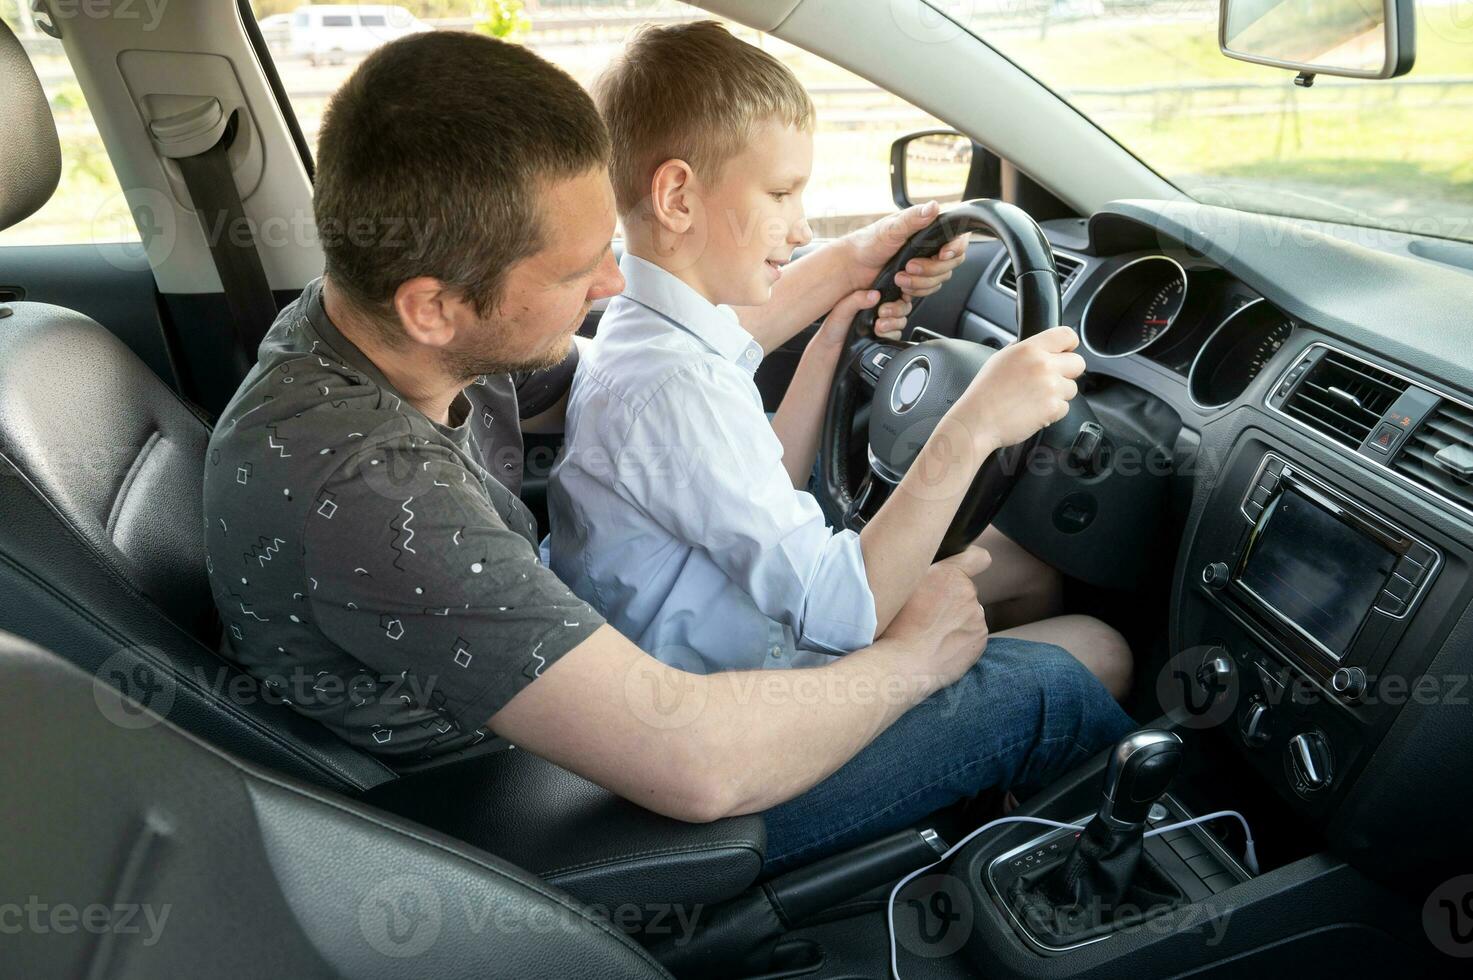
{"points": [[1349, 683], [1215, 574], [1255, 723], [1310, 762]]}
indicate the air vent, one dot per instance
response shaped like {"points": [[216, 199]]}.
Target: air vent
{"points": [[1343, 398], [1439, 454], [1069, 270]]}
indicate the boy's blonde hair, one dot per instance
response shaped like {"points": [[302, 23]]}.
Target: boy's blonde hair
{"points": [[691, 92]]}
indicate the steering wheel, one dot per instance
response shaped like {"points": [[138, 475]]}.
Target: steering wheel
{"points": [[910, 387]]}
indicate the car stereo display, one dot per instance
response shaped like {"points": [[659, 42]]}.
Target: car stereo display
{"points": [[1316, 571]]}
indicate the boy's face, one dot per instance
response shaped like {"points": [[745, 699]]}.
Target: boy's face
{"points": [[754, 216]]}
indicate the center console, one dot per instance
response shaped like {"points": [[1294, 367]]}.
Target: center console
{"points": [[1314, 635], [1318, 605]]}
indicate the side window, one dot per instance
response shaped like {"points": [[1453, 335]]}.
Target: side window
{"points": [[88, 205], [857, 121]]}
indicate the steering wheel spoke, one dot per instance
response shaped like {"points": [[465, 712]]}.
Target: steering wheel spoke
{"points": [[869, 362]]}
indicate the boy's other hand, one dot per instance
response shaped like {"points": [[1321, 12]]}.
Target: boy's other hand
{"points": [[942, 621], [835, 328], [875, 244], [1022, 388]]}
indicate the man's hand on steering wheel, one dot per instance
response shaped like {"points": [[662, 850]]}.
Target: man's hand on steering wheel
{"points": [[873, 245]]}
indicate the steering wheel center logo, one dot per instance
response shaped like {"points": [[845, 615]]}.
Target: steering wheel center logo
{"points": [[914, 379]]}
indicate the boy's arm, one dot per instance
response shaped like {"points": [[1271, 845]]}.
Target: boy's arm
{"points": [[1020, 389], [799, 419], [812, 285]]}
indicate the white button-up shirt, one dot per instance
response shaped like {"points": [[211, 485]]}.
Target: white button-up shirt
{"points": [[671, 510]]}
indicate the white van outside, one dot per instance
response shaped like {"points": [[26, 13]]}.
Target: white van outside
{"points": [[331, 32]]}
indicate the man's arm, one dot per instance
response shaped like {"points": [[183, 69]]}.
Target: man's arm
{"points": [[1019, 390], [700, 747], [812, 285]]}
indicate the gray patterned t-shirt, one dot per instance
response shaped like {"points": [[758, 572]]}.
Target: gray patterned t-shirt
{"points": [[375, 569]]}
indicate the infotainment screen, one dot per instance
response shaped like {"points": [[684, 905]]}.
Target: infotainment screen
{"points": [[1316, 571]]}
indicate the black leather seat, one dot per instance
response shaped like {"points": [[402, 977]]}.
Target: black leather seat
{"points": [[102, 562], [209, 867]]}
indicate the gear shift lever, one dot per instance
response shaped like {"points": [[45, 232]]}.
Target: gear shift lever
{"points": [[1100, 873], [1140, 768]]}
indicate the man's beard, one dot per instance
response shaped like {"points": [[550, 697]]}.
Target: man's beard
{"points": [[467, 365]]}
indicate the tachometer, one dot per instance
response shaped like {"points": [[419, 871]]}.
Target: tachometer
{"points": [[1236, 352], [1134, 307]]}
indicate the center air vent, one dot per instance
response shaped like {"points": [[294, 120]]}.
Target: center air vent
{"points": [[1069, 270], [1439, 454], [1343, 397]]}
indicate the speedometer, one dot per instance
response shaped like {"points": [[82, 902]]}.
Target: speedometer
{"points": [[1236, 352], [1134, 307]]}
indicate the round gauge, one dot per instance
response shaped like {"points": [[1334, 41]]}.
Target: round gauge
{"points": [[1236, 352], [1134, 307]]}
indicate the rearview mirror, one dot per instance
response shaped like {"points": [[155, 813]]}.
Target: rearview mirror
{"points": [[1353, 38]]}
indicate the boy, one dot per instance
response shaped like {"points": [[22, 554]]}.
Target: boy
{"points": [[678, 509]]}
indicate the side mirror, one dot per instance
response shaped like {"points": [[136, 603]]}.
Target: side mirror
{"points": [[936, 164], [1353, 38]]}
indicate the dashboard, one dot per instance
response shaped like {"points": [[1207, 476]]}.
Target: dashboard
{"points": [[1313, 399]]}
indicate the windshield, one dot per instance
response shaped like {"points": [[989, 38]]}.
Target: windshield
{"points": [[1394, 153]]}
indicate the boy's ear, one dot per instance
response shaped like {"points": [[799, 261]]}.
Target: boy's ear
{"points": [[672, 196]]}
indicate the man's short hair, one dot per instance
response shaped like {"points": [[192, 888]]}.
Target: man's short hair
{"points": [[431, 161], [691, 92]]}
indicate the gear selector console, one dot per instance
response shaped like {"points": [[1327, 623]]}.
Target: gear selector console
{"points": [[1073, 887]]}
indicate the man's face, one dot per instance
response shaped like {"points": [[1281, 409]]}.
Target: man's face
{"points": [[547, 294], [754, 216]]}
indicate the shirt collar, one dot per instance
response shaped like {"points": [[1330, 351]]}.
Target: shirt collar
{"points": [[715, 326], [350, 355]]}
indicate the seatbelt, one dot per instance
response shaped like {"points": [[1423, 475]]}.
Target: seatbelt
{"points": [[208, 176], [232, 244]]}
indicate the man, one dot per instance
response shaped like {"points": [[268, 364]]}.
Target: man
{"points": [[372, 562]]}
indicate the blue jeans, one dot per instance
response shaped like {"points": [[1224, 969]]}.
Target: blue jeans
{"points": [[1024, 714]]}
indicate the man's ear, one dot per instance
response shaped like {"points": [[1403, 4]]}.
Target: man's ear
{"points": [[673, 196], [428, 311]]}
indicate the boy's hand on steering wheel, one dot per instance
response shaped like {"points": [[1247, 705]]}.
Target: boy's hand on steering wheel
{"points": [[874, 245], [835, 328]]}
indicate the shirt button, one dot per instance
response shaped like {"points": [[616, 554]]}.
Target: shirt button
{"points": [[751, 355], [777, 651]]}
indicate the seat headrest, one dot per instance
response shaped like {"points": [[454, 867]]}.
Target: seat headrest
{"points": [[30, 155]]}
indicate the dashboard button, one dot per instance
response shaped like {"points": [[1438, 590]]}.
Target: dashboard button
{"points": [[1410, 570], [1274, 466], [1389, 603], [1421, 554], [1399, 586], [1385, 438], [1253, 511], [1220, 882], [1260, 496]]}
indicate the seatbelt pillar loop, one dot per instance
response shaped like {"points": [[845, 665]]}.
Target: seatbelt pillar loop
{"points": [[211, 182]]}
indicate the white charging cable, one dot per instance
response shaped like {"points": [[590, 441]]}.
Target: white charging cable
{"points": [[1250, 857]]}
